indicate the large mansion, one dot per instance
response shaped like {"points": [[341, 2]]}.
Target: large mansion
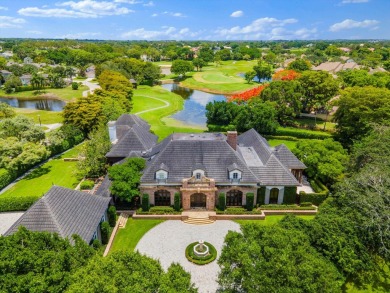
{"points": [[201, 166]]}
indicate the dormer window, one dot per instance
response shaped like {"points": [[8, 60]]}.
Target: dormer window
{"points": [[235, 175], [161, 175], [198, 176], [198, 173]]}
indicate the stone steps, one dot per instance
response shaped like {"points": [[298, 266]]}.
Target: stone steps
{"points": [[123, 220], [198, 221]]}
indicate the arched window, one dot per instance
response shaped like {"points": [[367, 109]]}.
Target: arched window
{"points": [[234, 198], [273, 196], [162, 198]]}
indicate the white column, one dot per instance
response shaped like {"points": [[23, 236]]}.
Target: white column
{"points": [[267, 192], [281, 195]]}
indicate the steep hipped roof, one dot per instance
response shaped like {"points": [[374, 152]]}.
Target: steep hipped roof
{"points": [[66, 212], [251, 138], [136, 139], [104, 188], [131, 120], [287, 158], [274, 173], [182, 153]]}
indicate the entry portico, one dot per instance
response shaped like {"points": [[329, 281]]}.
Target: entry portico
{"points": [[198, 193]]}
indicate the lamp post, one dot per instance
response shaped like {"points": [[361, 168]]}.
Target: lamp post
{"points": [[39, 118]]}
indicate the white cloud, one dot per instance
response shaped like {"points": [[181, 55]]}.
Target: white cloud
{"points": [[85, 35], [3, 8], [11, 22], [354, 1], [127, 1], [81, 9], [149, 4], [95, 7], [237, 13], [174, 14], [154, 14], [54, 12], [166, 33], [35, 32], [350, 24]]}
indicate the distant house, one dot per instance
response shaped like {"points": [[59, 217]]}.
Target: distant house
{"points": [[26, 79], [134, 83], [5, 74], [65, 212], [27, 60]]}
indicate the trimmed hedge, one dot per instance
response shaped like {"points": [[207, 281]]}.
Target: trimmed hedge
{"points": [[201, 260], [281, 137], [250, 200], [285, 207], [237, 211], [105, 230], [221, 128], [87, 185], [290, 195], [111, 214], [177, 201], [261, 196], [12, 204], [221, 201], [321, 193], [5, 178], [301, 133], [159, 210], [145, 203]]}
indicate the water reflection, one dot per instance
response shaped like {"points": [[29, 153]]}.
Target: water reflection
{"points": [[194, 111], [37, 104]]}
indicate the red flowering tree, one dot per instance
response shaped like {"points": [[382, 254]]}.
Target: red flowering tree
{"points": [[286, 74], [247, 95]]}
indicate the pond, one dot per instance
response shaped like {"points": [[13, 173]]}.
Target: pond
{"points": [[194, 111], [37, 104]]}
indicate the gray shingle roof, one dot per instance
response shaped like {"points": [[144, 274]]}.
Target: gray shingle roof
{"points": [[287, 158], [131, 120], [251, 138], [104, 188], [274, 173], [66, 212], [181, 153], [136, 139]]}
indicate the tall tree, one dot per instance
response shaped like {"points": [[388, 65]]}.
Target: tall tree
{"points": [[181, 67], [263, 71]]}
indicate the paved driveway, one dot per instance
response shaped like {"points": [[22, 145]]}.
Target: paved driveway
{"points": [[167, 242], [7, 220]]}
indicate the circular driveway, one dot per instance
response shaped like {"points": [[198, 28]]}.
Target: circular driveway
{"points": [[167, 243]]}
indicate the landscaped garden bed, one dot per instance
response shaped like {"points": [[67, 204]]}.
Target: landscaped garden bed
{"points": [[287, 207], [201, 253], [159, 210]]}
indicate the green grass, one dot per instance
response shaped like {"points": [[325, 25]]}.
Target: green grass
{"points": [[39, 181], [66, 94], [289, 143], [312, 124], [47, 117], [270, 220], [127, 238], [222, 79], [161, 125]]}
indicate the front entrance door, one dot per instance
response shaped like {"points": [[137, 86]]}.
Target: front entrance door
{"points": [[198, 200]]}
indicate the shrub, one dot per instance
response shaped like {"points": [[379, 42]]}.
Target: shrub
{"points": [[111, 213], [75, 86], [290, 138], [285, 207], [250, 198], [5, 178], [105, 230], [221, 201], [301, 133], [87, 184], [237, 211], [13, 203], [315, 198], [25, 88], [306, 204], [177, 202], [261, 195], [290, 195], [96, 244], [161, 209], [145, 203]]}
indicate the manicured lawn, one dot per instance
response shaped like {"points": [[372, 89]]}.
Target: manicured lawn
{"points": [[289, 143], [127, 238], [270, 220], [47, 117], [54, 172], [222, 79], [143, 100], [66, 94]]}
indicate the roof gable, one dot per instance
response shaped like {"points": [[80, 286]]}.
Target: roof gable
{"points": [[287, 158], [251, 138]]}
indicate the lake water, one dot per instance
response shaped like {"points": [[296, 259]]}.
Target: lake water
{"points": [[194, 111], [256, 79], [37, 104]]}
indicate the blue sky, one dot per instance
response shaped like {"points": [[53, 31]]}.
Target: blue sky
{"points": [[196, 19]]}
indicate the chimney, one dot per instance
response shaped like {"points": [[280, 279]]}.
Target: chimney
{"points": [[112, 131], [232, 139]]}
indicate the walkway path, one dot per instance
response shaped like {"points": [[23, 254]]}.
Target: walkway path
{"points": [[167, 104], [92, 86], [168, 241]]}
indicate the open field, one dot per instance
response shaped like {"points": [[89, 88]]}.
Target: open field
{"points": [[54, 172], [47, 117], [66, 94], [221, 79], [127, 238], [145, 99]]}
